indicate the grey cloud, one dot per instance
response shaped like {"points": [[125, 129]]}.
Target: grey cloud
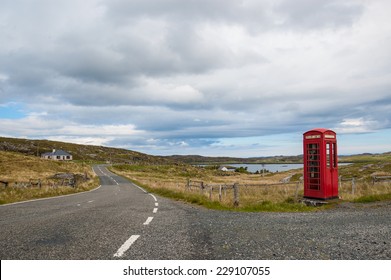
{"points": [[91, 65], [258, 16], [314, 14], [192, 72], [219, 10], [160, 143]]}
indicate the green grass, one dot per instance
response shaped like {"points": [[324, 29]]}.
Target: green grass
{"points": [[365, 170], [268, 206], [367, 158], [373, 198]]}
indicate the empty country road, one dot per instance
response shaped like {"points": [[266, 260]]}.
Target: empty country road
{"points": [[121, 221]]}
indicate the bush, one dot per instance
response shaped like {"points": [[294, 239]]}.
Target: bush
{"points": [[241, 169]]}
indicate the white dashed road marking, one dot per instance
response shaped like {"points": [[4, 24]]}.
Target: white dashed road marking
{"points": [[148, 221], [126, 246]]}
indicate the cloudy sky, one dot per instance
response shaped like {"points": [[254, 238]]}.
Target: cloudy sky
{"points": [[211, 77]]}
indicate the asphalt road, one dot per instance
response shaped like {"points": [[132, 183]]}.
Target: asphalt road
{"points": [[121, 221]]}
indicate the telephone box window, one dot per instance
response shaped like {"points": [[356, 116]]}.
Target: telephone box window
{"points": [[313, 166]]}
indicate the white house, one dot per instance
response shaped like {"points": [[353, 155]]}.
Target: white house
{"points": [[57, 155], [223, 168]]}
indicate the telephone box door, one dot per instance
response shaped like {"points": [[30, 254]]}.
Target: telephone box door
{"points": [[313, 166], [331, 177]]}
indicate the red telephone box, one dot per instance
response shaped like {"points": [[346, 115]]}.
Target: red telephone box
{"points": [[320, 164]]}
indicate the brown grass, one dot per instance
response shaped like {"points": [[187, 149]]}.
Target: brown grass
{"points": [[17, 168], [346, 192], [174, 179]]}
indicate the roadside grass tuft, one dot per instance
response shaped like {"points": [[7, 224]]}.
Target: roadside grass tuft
{"points": [[268, 206], [373, 198]]}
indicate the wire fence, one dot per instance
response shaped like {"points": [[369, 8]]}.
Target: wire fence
{"points": [[235, 193], [354, 187], [58, 180], [288, 191]]}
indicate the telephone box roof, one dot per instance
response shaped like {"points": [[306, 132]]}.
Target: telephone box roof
{"points": [[321, 130]]}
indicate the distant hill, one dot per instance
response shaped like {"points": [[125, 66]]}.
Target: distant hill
{"points": [[79, 152], [116, 155], [196, 159], [366, 157]]}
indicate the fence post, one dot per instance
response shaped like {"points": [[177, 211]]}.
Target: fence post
{"points": [[5, 183], [353, 185], [297, 190], [236, 194], [220, 194]]}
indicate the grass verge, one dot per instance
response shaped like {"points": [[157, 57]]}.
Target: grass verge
{"points": [[373, 198], [170, 181], [11, 194], [183, 196], [268, 206], [201, 200], [18, 170]]}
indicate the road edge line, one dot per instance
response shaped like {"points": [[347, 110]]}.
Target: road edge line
{"points": [[52, 197]]}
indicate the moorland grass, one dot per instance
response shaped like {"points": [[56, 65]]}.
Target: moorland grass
{"points": [[16, 168], [170, 181], [201, 200], [12, 194]]}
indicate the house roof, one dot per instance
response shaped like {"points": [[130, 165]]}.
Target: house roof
{"points": [[57, 153]]}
